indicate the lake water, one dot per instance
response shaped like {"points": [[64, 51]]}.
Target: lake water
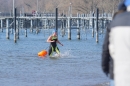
{"points": [[79, 65]]}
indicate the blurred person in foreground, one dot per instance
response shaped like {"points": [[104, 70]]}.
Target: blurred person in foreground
{"points": [[107, 60], [119, 46]]}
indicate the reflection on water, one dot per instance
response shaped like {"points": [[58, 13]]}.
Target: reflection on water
{"points": [[79, 65]]}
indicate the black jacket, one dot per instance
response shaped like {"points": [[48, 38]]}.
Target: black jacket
{"points": [[107, 61]]}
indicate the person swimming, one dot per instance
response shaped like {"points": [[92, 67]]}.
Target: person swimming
{"points": [[53, 40]]}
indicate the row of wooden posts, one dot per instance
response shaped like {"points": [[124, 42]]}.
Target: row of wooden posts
{"points": [[66, 23]]}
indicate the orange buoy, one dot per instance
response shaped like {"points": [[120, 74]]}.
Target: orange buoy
{"points": [[42, 53]]}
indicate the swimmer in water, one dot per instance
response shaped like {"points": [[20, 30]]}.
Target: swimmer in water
{"points": [[53, 40]]}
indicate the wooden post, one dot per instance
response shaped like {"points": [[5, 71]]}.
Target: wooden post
{"points": [[17, 30], [45, 26], [56, 21], [25, 27], [37, 30], [93, 24], [7, 28], [1, 25], [31, 25], [97, 16], [69, 28], [12, 27], [103, 22], [15, 11], [78, 28]]}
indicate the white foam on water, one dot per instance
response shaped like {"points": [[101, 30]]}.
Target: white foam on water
{"points": [[66, 54]]}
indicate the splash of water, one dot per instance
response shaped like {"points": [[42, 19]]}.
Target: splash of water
{"points": [[66, 54]]}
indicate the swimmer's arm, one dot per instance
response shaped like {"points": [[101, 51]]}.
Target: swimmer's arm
{"points": [[59, 42], [49, 39]]}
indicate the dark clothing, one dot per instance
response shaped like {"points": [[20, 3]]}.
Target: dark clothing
{"points": [[53, 49], [53, 46], [54, 38], [121, 20], [107, 61]]}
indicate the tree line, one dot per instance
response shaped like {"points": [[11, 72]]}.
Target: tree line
{"points": [[77, 6]]}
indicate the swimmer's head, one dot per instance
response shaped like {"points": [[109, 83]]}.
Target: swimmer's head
{"points": [[54, 32]]}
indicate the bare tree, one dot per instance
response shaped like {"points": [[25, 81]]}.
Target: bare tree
{"points": [[84, 6], [55, 3]]}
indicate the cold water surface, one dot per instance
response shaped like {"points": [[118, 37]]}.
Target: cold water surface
{"points": [[79, 65]]}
